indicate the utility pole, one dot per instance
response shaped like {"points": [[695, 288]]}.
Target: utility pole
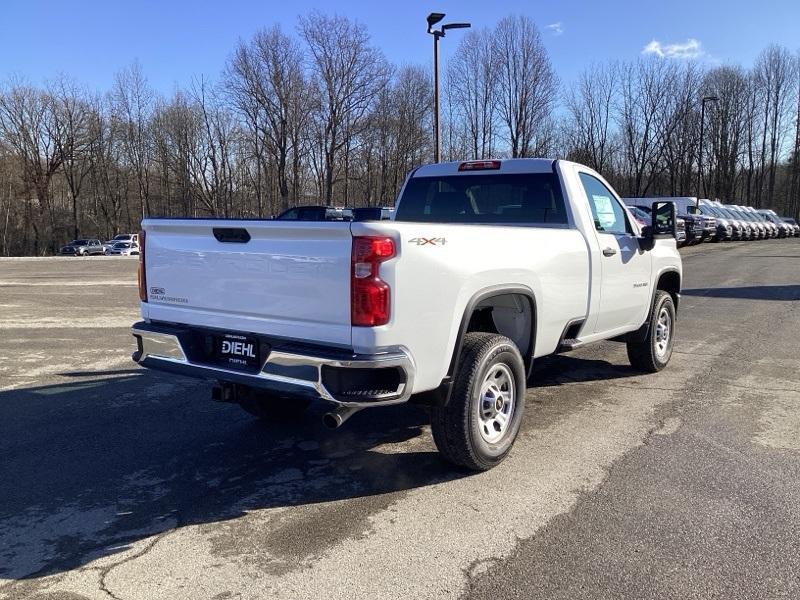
{"points": [[433, 19]]}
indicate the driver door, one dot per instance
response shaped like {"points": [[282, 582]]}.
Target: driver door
{"points": [[625, 267]]}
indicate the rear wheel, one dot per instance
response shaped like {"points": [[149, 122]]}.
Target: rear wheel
{"points": [[270, 408], [479, 424], [653, 353]]}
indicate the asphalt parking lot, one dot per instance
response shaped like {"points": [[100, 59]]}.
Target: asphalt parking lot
{"points": [[121, 483]]}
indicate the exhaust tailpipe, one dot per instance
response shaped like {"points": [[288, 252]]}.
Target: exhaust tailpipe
{"points": [[337, 417]]}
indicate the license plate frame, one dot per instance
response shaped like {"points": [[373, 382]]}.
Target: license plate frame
{"points": [[237, 351]]}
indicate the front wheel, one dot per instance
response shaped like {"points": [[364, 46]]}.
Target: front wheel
{"points": [[479, 423], [653, 353]]}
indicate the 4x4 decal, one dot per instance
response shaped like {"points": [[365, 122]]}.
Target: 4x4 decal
{"points": [[421, 241]]}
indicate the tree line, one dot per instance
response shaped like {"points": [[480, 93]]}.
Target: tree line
{"points": [[319, 115]]}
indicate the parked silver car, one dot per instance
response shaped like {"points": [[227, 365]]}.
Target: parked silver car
{"points": [[794, 224], [83, 247], [784, 229]]}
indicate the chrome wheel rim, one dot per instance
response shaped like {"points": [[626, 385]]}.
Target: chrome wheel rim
{"points": [[496, 403], [663, 332]]}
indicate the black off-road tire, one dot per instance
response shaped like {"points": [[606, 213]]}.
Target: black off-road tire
{"points": [[270, 408], [645, 355], [456, 426]]}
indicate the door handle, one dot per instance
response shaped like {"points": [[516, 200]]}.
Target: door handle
{"points": [[609, 252]]}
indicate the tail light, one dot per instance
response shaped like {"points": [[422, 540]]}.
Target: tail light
{"points": [[370, 296], [142, 272]]}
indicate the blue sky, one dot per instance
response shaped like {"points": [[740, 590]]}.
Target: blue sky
{"points": [[175, 40]]}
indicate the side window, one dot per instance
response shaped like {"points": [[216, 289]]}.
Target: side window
{"points": [[608, 214]]}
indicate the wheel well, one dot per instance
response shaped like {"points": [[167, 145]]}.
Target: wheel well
{"points": [[670, 282], [509, 314]]}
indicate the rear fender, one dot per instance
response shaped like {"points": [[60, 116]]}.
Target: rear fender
{"points": [[441, 395]]}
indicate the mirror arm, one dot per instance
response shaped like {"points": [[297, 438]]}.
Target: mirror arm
{"points": [[646, 240]]}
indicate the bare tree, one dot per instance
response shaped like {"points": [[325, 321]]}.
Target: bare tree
{"points": [[351, 74], [643, 117], [267, 85], [591, 103], [397, 137], [794, 160], [678, 129], [774, 71], [28, 127], [132, 108], [752, 183], [726, 127], [527, 83], [472, 86], [76, 123], [210, 163], [108, 181], [412, 93], [176, 135]]}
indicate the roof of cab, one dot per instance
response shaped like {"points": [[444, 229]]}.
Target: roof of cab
{"points": [[507, 165]]}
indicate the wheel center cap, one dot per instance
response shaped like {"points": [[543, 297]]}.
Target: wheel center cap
{"points": [[498, 404]]}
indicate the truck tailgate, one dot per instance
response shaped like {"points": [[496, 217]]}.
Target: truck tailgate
{"points": [[289, 280]]}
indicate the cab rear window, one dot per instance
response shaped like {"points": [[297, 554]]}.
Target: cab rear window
{"points": [[525, 198]]}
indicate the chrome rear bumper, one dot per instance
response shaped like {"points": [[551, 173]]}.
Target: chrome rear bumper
{"points": [[288, 369]]}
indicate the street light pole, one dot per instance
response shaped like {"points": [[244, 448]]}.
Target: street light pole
{"points": [[433, 19], [437, 129], [700, 180]]}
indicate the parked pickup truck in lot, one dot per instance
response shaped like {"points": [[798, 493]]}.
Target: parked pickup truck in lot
{"points": [[486, 266]]}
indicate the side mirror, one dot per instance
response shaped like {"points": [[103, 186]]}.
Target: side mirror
{"points": [[663, 220], [662, 224]]}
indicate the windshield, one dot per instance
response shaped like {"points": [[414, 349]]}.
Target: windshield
{"points": [[740, 215], [79, 242], [527, 198], [122, 236]]}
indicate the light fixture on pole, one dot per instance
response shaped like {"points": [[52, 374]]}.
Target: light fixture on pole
{"points": [[700, 180], [433, 19]]}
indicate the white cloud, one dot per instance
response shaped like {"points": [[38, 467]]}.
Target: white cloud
{"points": [[691, 48], [556, 28]]}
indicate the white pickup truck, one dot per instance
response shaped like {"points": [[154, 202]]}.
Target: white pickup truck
{"points": [[486, 266]]}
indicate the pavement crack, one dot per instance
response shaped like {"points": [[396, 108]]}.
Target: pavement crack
{"points": [[106, 571], [642, 387], [757, 388], [697, 353]]}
